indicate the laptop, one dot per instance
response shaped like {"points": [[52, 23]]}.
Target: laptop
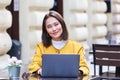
{"points": [[60, 65]]}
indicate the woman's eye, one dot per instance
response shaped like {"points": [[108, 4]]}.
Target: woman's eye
{"points": [[49, 26], [56, 24]]}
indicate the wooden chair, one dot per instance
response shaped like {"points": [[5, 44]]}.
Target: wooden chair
{"points": [[107, 55]]}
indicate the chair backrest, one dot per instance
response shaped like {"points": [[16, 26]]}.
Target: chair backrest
{"points": [[106, 55]]}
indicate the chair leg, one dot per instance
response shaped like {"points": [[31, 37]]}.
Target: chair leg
{"points": [[100, 70], [117, 71]]}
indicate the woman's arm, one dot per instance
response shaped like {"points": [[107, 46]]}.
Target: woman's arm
{"points": [[36, 60], [84, 69]]}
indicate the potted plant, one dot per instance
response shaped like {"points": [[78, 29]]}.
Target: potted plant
{"points": [[14, 66]]}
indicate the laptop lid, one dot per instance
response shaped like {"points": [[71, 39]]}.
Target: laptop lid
{"points": [[60, 65]]}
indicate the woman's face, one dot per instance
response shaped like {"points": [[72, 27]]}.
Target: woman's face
{"points": [[54, 28]]}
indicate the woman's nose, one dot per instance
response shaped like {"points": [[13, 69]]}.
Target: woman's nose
{"points": [[53, 28]]}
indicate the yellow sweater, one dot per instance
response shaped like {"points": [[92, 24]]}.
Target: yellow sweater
{"points": [[71, 47]]}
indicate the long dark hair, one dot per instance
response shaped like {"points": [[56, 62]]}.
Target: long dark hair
{"points": [[46, 39]]}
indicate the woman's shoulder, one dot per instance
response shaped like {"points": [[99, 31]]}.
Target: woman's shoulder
{"points": [[39, 44], [76, 43]]}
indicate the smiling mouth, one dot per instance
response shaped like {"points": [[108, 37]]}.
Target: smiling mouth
{"points": [[55, 33]]}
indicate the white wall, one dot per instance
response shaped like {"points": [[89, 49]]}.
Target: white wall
{"points": [[31, 16]]}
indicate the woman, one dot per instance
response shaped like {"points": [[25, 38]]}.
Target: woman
{"points": [[55, 40]]}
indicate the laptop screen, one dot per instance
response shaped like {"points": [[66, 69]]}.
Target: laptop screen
{"points": [[60, 65]]}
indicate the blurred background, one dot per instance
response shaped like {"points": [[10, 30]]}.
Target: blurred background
{"points": [[88, 22]]}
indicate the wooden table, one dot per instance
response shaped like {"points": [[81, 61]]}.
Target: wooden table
{"points": [[27, 76]]}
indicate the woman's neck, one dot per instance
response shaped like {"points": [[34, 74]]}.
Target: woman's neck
{"points": [[58, 44]]}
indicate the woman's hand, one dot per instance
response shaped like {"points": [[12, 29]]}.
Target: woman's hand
{"points": [[39, 71], [80, 73]]}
